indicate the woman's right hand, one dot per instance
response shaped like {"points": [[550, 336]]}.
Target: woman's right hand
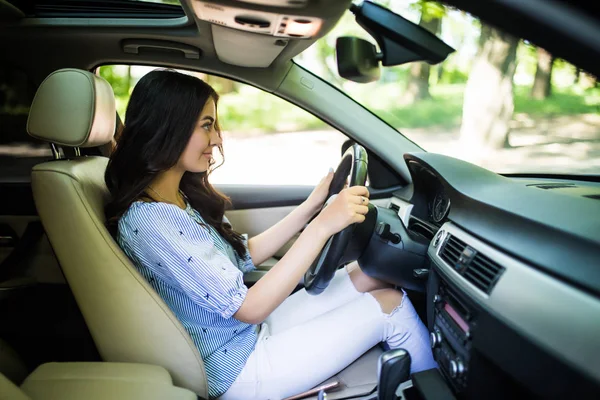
{"points": [[349, 207]]}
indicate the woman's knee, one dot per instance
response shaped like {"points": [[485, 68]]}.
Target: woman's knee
{"points": [[363, 282], [388, 299]]}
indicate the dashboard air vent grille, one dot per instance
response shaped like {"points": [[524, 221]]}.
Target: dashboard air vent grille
{"points": [[452, 250], [483, 272], [476, 268]]}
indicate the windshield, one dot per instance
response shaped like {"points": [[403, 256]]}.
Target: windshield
{"points": [[498, 101]]}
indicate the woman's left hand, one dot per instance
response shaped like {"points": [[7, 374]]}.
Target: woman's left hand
{"points": [[319, 195]]}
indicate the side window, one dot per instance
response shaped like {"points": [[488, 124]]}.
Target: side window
{"points": [[266, 140], [18, 151]]}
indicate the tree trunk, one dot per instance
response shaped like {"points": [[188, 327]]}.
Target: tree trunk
{"points": [[488, 104], [418, 82], [542, 83], [440, 72], [128, 80]]}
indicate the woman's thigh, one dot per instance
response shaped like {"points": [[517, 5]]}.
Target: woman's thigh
{"points": [[302, 307], [299, 358]]}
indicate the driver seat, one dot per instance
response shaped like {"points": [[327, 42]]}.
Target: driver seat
{"points": [[127, 319]]}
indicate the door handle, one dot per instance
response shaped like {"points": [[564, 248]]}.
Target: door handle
{"points": [[133, 46]]}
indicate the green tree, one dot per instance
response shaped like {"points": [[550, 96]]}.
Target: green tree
{"points": [[542, 82], [489, 102], [417, 87], [118, 77]]}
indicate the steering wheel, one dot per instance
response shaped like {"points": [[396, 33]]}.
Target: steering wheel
{"points": [[354, 163]]}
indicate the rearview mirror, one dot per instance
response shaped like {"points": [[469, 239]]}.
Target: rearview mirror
{"points": [[357, 59], [400, 41]]}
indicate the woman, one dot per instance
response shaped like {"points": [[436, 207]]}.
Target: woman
{"points": [[256, 343]]}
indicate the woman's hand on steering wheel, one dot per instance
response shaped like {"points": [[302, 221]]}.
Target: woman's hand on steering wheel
{"points": [[319, 194], [349, 207]]}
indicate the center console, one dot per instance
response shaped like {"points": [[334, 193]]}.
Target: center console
{"points": [[499, 328], [451, 340]]}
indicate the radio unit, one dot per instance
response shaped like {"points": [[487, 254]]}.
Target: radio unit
{"points": [[451, 336]]}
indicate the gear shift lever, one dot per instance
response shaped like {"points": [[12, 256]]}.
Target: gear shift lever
{"points": [[393, 369]]}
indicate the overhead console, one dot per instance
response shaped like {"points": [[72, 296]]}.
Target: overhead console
{"points": [[267, 27], [267, 23]]}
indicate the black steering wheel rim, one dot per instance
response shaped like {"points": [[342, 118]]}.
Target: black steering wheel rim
{"points": [[354, 163]]}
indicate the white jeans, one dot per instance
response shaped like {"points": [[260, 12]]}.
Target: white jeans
{"points": [[308, 339]]}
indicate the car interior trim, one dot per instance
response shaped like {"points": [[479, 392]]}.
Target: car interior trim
{"points": [[522, 289], [518, 218], [404, 209], [103, 22]]}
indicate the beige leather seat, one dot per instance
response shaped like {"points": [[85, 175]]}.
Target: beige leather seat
{"points": [[127, 319], [95, 381]]}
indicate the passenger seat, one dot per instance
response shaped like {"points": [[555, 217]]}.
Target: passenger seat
{"points": [[95, 381]]}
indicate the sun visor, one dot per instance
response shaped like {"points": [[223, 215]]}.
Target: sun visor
{"points": [[232, 47]]}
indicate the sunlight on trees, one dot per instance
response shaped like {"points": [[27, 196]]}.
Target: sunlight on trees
{"points": [[494, 93]]}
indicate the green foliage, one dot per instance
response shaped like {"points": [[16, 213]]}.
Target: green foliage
{"points": [[117, 76], [254, 111], [453, 76], [429, 9], [563, 102]]}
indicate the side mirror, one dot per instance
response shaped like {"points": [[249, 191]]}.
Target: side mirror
{"points": [[357, 59]]}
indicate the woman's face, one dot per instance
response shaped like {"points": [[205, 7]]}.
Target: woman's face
{"points": [[197, 155]]}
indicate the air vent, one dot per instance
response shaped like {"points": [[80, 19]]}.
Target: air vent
{"points": [[452, 250], [554, 185], [483, 272], [472, 265], [421, 229]]}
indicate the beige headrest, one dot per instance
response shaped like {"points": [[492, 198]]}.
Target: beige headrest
{"points": [[73, 108]]}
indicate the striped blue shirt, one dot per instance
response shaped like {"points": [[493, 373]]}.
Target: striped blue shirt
{"points": [[199, 276]]}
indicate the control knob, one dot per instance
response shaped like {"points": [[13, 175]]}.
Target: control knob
{"points": [[457, 368], [436, 338]]}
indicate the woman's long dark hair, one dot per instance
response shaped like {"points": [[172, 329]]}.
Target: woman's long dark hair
{"points": [[161, 116]]}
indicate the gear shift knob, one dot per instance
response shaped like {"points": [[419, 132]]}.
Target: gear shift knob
{"points": [[393, 369]]}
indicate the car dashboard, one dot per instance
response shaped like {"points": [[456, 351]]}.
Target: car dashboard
{"points": [[513, 291]]}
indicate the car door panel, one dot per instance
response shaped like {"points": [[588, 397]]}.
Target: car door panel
{"points": [[264, 196], [257, 208]]}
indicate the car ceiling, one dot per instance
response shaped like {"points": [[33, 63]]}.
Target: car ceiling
{"points": [[47, 44]]}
